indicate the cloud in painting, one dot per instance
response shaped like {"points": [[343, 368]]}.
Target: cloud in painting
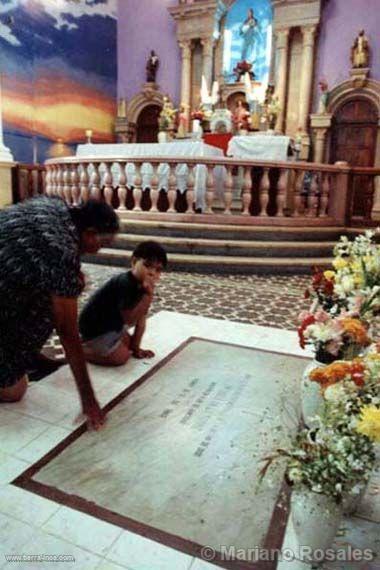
{"points": [[6, 32], [65, 12]]}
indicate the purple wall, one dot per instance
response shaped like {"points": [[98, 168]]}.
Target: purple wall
{"points": [[144, 25], [341, 22]]}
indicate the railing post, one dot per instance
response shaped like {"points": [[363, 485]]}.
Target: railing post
{"points": [[247, 191], [172, 190], [84, 183], [66, 184], [264, 193], [209, 189], [228, 187], [94, 182], [108, 187], [75, 192], [154, 190], [137, 190], [340, 196], [122, 190], [281, 188]]}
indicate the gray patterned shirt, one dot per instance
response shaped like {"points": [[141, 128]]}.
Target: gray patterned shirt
{"points": [[39, 258]]}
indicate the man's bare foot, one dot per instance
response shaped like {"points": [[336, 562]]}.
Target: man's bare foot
{"points": [[141, 353]]}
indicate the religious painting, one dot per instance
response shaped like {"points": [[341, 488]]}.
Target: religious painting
{"points": [[248, 37], [59, 73]]}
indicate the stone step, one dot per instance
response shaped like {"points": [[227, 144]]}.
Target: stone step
{"points": [[228, 231], [242, 248], [218, 264]]}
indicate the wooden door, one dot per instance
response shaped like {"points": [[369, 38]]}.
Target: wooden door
{"points": [[147, 124], [354, 141]]}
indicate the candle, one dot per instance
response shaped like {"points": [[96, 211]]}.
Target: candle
{"points": [[88, 133]]}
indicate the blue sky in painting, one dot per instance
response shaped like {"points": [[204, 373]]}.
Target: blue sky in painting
{"points": [[82, 35], [233, 40]]}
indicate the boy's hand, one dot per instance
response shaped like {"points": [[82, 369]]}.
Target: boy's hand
{"points": [[141, 353]]}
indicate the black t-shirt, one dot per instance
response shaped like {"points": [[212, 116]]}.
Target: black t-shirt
{"points": [[103, 311]]}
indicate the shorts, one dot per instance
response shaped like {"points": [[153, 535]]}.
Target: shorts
{"points": [[104, 344]]}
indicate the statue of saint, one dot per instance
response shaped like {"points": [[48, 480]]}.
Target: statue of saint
{"points": [[152, 66], [183, 122], [360, 51], [249, 30]]}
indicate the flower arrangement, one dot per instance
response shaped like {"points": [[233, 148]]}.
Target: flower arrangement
{"points": [[166, 119], [198, 115], [242, 68], [333, 338]]}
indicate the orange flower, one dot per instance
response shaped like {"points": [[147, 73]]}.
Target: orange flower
{"points": [[337, 372], [356, 331]]}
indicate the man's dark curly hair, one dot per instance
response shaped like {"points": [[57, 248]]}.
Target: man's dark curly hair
{"points": [[151, 251], [96, 215]]}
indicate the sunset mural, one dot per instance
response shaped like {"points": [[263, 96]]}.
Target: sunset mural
{"points": [[58, 73]]}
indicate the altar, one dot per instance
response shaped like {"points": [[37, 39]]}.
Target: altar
{"points": [[260, 147], [175, 149]]}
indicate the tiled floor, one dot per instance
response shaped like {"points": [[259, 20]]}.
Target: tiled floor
{"points": [[273, 301], [30, 524]]}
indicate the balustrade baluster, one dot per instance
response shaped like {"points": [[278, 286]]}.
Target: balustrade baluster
{"points": [[298, 198], [84, 183], [53, 180], [190, 190], [122, 189], [75, 191], [325, 195], [108, 184], [247, 191], [209, 189], [313, 196], [95, 191], [66, 184], [281, 192], [49, 181], [59, 178], [154, 190], [137, 190], [228, 188], [264, 192], [172, 191]]}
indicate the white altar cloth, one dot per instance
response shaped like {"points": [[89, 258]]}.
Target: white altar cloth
{"points": [[176, 149], [259, 147]]}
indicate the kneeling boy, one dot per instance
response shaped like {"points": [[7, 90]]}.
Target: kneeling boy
{"points": [[121, 303]]}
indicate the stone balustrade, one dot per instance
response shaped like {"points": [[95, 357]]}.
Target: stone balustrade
{"points": [[275, 192]]}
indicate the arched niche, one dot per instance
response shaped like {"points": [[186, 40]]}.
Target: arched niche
{"points": [[149, 96]]}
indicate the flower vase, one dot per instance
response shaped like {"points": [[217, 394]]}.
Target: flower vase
{"points": [[316, 519], [311, 396], [162, 137], [351, 503]]}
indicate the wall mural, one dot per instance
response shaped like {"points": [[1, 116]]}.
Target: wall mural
{"points": [[59, 71], [248, 37]]}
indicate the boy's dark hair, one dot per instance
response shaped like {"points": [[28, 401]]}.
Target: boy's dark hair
{"points": [[97, 215], [151, 251]]}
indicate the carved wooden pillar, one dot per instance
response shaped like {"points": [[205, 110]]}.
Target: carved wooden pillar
{"points": [[186, 76], [306, 76], [208, 50], [320, 124], [282, 54]]}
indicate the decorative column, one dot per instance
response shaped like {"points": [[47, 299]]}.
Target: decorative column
{"points": [[5, 153], [6, 163], [282, 54], [320, 124], [208, 51], [306, 85], [186, 76]]}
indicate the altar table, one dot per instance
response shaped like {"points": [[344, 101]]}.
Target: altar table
{"points": [[259, 147], [175, 149]]}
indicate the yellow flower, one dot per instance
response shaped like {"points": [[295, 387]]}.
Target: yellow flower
{"points": [[359, 280], [356, 266], [339, 263], [329, 275], [369, 423]]}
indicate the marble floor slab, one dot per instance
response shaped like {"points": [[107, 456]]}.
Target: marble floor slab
{"points": [[181, 456]]}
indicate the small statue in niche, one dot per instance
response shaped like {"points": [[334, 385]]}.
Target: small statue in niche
{"points": [[241, 116], [324, 97], [360, 51], [152, 66]]}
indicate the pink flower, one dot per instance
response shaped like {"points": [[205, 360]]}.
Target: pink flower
{"points": [[321, 316], [334, 346]]}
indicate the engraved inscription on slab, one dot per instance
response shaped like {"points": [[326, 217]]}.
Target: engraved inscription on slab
{"points": [[182, 453]]}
